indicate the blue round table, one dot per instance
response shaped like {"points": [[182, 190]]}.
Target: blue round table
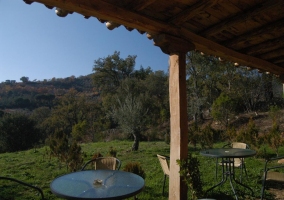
{"points": [[97, 184]]}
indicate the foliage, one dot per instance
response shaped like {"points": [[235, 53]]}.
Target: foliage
{"points": [[79, 130], [24, 79], [189, 170], [275, 138], [112, 152], [75, 157], [223, 109], [18, 132], [274, 113], [136, 168], [70, 155], [249, 135], [97, 155], [203, 136], [230, 134], [110, 71], [130, 115]]}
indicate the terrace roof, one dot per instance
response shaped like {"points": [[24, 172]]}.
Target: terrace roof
{"points": [[249, 33]]}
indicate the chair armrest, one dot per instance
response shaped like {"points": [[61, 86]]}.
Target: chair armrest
{"points": [[227, 145], [276, 166]]}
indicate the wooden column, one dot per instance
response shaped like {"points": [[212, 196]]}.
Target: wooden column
{"points": [[179, 133], [177, 49]]}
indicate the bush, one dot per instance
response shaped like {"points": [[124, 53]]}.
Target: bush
{"points": [[97, 155], [189, 169], [135, 168], [112, 152]]}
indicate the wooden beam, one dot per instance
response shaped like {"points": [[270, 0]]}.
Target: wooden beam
{"points": [[244, 40], [170, 44], [264, 47], [207, 46], [242, 17], [140, 5], [179, 132], [272, 54], [191, 12]]}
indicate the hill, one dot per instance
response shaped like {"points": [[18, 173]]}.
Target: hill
{"points": [[28, 94]]}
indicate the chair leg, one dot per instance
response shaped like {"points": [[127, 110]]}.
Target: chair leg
{"points": [[262, 189], [165, 176], [216, 170]]}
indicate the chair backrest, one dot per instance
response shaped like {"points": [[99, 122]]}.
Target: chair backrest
{"points": [[111, 163], [164, 163], [239, 145]]}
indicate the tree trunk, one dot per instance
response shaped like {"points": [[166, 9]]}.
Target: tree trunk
{"points": [[135, 145]]}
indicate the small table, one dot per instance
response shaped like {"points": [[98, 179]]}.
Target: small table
{"points": [[228, 156], [97, 184]]}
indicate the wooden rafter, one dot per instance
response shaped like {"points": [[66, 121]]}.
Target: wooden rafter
{"points": [[241, 17], [140, 5], [242, 41], [272, 54], [191, 11], [264, 47]]}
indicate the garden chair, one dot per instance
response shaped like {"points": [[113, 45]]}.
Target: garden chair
{"points": [[238, 162], [25, 184], [272, 173], [165, 166], [111, 163]]}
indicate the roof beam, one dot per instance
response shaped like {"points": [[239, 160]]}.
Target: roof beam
{"points": [[212, 48], [272, 54], [191, 12], [242, 40], [140, 5], [240, 18], [262, 48]]}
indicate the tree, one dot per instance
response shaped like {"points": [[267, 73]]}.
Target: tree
{"points": [[130, 115], [71, 109], [24, 79], [110, 71]]}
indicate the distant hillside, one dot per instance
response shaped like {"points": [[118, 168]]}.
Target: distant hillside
{"points": [[26, 94]]}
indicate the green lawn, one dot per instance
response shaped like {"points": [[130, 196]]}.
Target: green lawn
{"points": [[37, 168]]}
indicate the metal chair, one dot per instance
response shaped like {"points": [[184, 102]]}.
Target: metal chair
{"points": [[111, 163], [165, 166], [25, 184], [272, 173], [238, 162]]}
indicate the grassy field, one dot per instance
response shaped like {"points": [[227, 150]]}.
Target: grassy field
{"points": [[37, 168]]}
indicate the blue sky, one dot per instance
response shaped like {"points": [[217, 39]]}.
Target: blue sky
{"points": [[36, 43]]}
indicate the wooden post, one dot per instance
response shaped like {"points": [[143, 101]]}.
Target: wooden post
{"points": [[177, 49], [179, 133]]}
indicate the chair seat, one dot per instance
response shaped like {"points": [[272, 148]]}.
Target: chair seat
{"points": [[275, 176]]}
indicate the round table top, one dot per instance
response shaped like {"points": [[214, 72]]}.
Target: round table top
{"points": [[97, 184], [228, 153]]}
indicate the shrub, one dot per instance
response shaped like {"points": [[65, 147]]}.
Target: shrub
{"points": [[96, 155], [135, 168], [189, 170], [112, 152]]}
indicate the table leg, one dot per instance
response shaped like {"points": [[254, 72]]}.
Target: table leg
{"points": [[224, 178], [228, 169]]}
